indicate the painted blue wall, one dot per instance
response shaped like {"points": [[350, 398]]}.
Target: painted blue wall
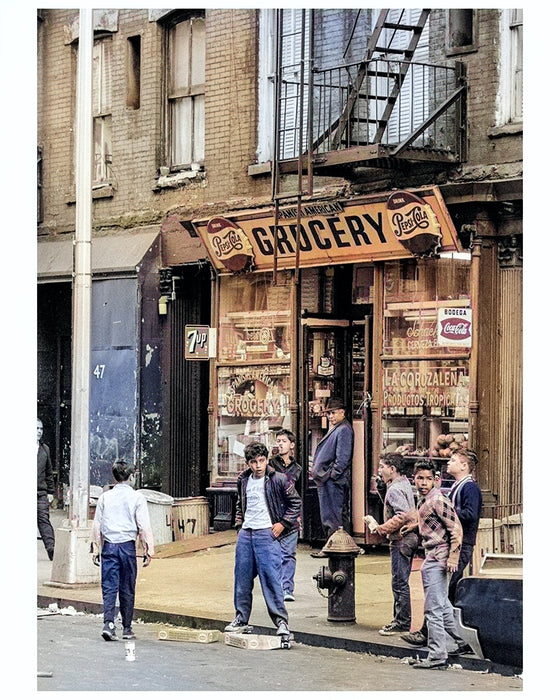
{"points": [[114, 385]]}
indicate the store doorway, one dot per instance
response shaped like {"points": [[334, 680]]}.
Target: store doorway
{"points": [[326, 373]]}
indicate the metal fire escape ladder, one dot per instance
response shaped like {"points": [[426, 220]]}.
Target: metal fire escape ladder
{"points": [[397, 77]]}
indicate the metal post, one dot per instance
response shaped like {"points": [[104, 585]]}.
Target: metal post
{"points": [[72, 563], [81, 313]]}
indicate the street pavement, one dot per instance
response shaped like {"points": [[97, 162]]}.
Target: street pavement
{"points": [[72, 656], [195, 589]]}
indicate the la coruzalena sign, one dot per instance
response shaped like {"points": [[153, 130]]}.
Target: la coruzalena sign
{"points": [[398, 224]]}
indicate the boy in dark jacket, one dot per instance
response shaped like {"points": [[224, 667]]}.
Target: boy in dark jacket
{"points": [[268, 507], [285, 463], [45, 491]]}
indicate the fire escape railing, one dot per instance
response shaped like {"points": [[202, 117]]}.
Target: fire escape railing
{"points": [[424, 102]]}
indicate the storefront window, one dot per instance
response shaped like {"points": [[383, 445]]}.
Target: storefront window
{"points": [[255, 318], [253, 366], [416, 295], [426, 347], [253, 402]]}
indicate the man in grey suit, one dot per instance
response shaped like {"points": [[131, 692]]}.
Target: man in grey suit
{"points": [[45, 491], [331, 470]]}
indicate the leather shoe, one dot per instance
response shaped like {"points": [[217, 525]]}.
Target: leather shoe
{"points": [[417, 638], [461, 649], [437, 664]]}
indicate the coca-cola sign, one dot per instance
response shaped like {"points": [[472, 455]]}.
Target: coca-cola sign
{"points": [[455, 326]]}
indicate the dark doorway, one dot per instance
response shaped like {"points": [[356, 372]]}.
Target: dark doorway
{"points": [[54, 374], [187, 387]]}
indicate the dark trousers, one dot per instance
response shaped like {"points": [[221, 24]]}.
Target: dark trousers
{"points": [[118, 575], [44, 524], [401, 566], [334, 506]]}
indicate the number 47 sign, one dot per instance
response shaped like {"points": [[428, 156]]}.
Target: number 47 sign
{"points": [[200, 342]]}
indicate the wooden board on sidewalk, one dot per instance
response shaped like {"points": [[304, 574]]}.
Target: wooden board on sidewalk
{"points": [[182, 634], [195, 544]]}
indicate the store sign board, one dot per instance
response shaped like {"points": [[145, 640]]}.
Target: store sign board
{"points": [[200, 342], [425, 385], [454, 327], [253, 392], [389, 226]]}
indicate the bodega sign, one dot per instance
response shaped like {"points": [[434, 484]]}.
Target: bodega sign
{"points": [[454, 327], [392, 225]]}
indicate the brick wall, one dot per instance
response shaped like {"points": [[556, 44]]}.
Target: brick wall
{"points": [[483, 80], [231, 121], [231, 106]]}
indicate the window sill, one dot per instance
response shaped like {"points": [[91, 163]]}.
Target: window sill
{"points": [[512, 129], [260, 169], [178, 179], [97, 192]]}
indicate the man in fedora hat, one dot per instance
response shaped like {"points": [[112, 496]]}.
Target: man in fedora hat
{"points": [[331, 469]]}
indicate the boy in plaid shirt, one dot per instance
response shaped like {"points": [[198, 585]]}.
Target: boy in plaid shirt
{"points": [[442, 535]]}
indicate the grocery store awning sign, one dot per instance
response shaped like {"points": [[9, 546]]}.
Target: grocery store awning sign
{"points": [[399, 224]]}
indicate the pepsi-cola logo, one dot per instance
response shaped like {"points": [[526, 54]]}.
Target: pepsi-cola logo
{"points": [[455, 329], [229, 244], [414, 223]]}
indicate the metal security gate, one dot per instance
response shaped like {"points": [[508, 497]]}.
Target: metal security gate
{"points": [[187, 387]]}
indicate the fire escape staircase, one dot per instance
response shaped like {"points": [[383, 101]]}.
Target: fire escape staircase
{"points": [[385, 60]]}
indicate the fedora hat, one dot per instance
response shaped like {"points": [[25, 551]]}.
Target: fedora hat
{"points": [[334, 403]]}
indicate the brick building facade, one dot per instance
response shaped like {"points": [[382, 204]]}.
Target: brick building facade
{"points": [[170, 417]]}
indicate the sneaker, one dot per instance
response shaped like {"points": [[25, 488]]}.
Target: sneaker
{"points": [[439, 664], [237, 626], [392, 628], [288, 597], [319, 555], [109, 632], [282, 629], [128, 633], [417, 638]]}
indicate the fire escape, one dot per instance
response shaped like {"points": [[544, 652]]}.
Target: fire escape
{"points": [[383, 110]]}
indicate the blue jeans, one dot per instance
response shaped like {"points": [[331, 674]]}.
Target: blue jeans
{"points": [[437, 608], [333, 497], [118, 575], [401, 566], [258, 552], [288, 545]]}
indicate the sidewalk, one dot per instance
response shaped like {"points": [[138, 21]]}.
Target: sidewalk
{"points": [[196, 589]]}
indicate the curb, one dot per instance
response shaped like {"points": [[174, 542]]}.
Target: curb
{"points": [[307, 638]]}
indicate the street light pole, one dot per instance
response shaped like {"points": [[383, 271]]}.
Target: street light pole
{"points": [[81, 297], [72, 563]]}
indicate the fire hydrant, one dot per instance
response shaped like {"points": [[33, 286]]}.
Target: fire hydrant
{"points": [[338, 577]]}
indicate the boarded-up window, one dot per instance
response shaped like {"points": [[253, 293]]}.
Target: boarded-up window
{"points": [[101, 110], [186, 78], [510, 96]]}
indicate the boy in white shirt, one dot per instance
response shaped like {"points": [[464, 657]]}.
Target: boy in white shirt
{"points": [[268, 506], [120, 516]]}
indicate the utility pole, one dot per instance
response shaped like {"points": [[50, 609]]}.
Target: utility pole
{"points": [[72, 562]]}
